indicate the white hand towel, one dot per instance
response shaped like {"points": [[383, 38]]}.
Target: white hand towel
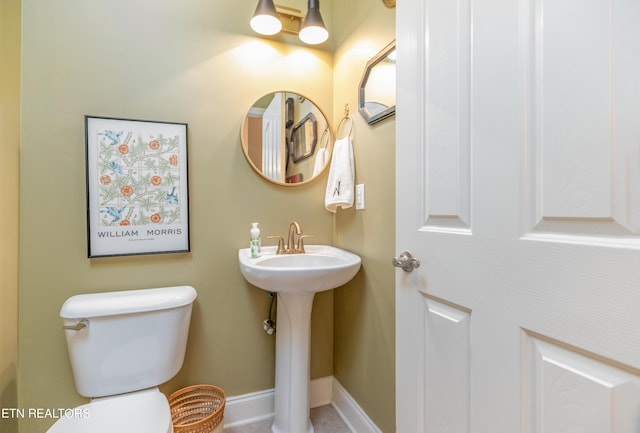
{"points": [[340, 186], [321, 161]]}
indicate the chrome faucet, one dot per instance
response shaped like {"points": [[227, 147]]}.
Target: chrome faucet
{"points": [[292, 246]]}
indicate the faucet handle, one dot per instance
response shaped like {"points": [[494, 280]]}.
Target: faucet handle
{"points": [[300, 245], [280, 239]]}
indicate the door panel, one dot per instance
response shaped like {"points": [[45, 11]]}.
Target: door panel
{"points": [[518, 189], [447, 158], [571, 391], [583, 116], [448, 359]]}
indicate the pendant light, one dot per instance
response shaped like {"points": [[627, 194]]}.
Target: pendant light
{"points": [[313, 31], [265, 20], [270, 19]]}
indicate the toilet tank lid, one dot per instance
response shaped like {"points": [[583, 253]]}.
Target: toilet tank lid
{"points": [[125, 302]]}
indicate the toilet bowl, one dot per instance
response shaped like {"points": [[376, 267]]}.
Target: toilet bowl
{"points": [[141, 412], [122, 345]]}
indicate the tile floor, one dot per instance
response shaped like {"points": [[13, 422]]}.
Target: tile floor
{"points": [[325, 419]]}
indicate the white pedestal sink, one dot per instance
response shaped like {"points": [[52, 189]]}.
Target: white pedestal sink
{"points": [[296, 278]]}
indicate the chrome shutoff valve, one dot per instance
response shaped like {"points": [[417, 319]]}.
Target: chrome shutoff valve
{"points": [[269, 326]]}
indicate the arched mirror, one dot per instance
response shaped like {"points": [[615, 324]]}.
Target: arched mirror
{"points": [[286, 138], [377, 92]]}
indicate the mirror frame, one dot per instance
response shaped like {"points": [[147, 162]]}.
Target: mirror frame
{"points": [[318, 141], [389, 111]]}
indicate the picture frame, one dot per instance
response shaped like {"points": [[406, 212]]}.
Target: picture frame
{"points": [[137, 187], [304, 137]]}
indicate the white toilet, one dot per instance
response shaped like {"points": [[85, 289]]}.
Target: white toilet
{"points": [[122, 345]]}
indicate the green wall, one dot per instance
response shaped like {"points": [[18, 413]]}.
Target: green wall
{"points": [[9, 199], [156, 61], [364, 309], [200, 65]]}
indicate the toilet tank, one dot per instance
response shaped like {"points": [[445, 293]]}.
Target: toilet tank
{"points": [[132, 340]]}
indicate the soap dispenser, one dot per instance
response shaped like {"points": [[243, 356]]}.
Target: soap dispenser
{"points": [[256, 243]]}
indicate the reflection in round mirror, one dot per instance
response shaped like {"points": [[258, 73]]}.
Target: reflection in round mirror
{"points": [[286, 138]]}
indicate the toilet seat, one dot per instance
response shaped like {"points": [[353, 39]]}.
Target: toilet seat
{"points": [[144, 411]]}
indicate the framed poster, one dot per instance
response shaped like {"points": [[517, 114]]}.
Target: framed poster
{"points": [[137, 187]]}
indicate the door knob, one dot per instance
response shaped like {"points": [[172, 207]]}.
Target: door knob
{"points": [[406, 261]]}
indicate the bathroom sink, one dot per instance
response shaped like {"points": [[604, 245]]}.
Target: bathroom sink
{"points": [[321, 267], [296, 278]]}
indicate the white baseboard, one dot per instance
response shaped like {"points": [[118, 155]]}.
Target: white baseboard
{"points": [[248, 408], [258, 406], [321, 391], [352, 414]]}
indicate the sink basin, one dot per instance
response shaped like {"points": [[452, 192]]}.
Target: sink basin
{"points": [[322, 267]]}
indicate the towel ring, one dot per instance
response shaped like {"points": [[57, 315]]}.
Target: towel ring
{"points": [[344, 119]]}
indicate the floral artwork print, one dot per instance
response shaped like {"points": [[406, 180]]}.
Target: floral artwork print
{"points": [[139, 179], [137, 187]]}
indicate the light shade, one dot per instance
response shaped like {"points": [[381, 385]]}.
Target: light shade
{"points": [[265, 20], [313, 31]]}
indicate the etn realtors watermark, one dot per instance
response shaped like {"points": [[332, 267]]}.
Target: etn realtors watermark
{"points": [[42, 413]]}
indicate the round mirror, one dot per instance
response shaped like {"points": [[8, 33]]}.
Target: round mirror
{"points": [[286, 138]]}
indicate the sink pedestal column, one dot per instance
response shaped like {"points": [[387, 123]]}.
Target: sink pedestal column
{"points": [[293, 323]]}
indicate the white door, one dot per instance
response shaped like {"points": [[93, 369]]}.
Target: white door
{"points": [[518, 189], [273, 140]]}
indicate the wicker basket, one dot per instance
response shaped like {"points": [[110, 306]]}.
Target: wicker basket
{"points": [[197, 409]]}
